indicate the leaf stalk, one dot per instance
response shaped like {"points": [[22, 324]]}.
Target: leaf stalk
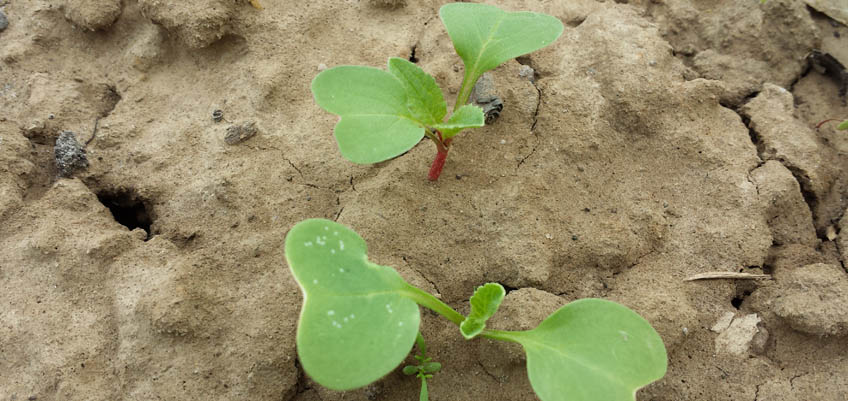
{"points": [[427, 300]]}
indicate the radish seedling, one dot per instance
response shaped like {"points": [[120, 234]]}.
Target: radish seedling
{"points": [[359, 321], [385, 113]]}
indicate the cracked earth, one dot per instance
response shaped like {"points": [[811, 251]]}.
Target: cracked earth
{"points": [[658, 140]]}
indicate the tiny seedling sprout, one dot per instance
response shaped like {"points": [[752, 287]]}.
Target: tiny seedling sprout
{"points": [[843, 126], [386, 113], [360, 320], [425, 368]]}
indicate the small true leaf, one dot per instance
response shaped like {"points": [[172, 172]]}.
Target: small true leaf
{"points": [[467, 116], [422, 345], [485, 36], [432, 367], [410, 370], [375, 122], [592, 349], [424, 97], [484, 304], [843, 125], [355, 326]]}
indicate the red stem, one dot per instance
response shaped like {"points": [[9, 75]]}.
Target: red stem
{"points": [[441, 156], [822, 123]]}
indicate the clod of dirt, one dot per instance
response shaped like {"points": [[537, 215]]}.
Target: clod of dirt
{"points": [[768, 44], [387, 3], [4, 22], [788, 216], [784, 138], [484, 95], [814, 299], [527, 72], [836, 9], [736, 338], [240, 132], [92, 14], [197, 23], [723, 322], [146, 49], [69, 154], [829, 65]]}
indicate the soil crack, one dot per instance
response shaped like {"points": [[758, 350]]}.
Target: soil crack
{"points": [[533, 124], [490, 374]]}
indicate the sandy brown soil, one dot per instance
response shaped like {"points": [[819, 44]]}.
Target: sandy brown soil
{"points": [[660, 139]]}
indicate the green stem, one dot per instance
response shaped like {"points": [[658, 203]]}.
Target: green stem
{"points": [[502, 335], [424, 393], [427, 300], [437, 139], [468, 82]]}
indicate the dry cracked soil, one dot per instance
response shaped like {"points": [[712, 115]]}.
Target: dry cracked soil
{"points": [[658, 140]]}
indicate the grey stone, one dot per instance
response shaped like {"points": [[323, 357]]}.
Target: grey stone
{"points": [[240, 132], [484, 95], [4, 22], [69, 154]]}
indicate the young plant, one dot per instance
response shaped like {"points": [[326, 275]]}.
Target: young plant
{"points": [[425, 368], [384, 114], [359, 321]]}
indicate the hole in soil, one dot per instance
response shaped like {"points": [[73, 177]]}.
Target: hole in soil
{"points": [[737, 300], [508, 288], [110, 99], [412, 57], [128, 209], [575, 22]]}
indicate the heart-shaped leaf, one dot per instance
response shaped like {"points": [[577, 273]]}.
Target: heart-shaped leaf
{"points": [[375, 122], [467, 116], [843, 125], [424, 97], [485, 36], [592, 349], [484, 303], [355, 326]]}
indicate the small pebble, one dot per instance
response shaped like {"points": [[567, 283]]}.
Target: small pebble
{"points": [[4, 22], [322, 67], [549, 236], [527, 72], [217, 115], [240, 132]]}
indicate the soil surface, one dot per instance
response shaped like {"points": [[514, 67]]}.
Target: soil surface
{"points": [[142, 257]]}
